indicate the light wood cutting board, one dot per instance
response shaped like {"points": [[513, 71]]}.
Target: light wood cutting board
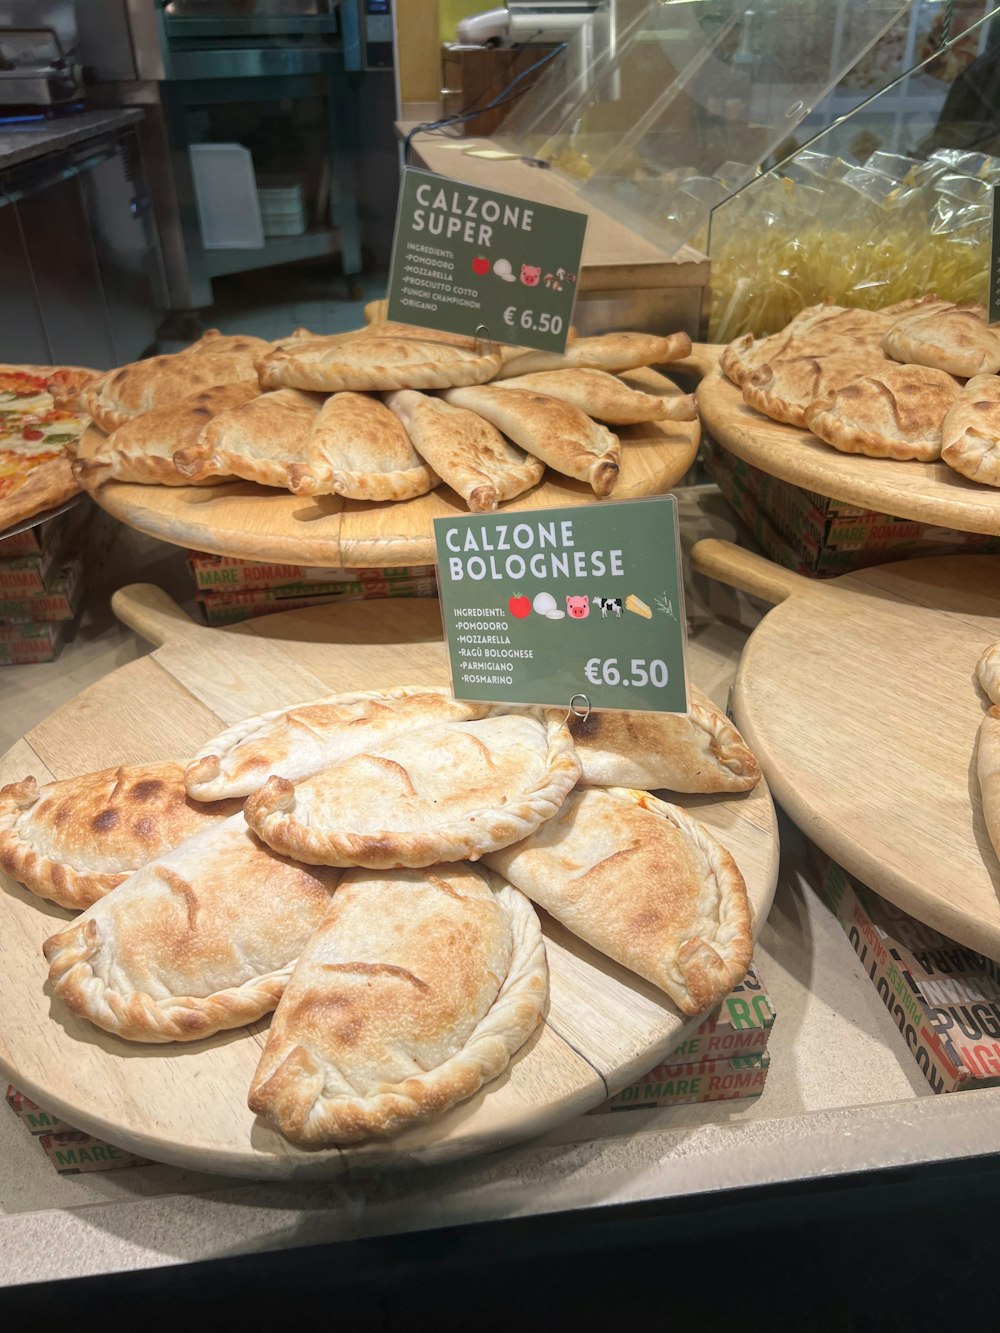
{"points": [[187, 1104], [325, 531], [924, 492], [858, 695]]}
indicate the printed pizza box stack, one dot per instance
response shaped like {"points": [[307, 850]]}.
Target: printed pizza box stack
{"points": [[724, 1060], [943, 997], [816, 535], [42, 583], [69, 1150], [231, 590]]}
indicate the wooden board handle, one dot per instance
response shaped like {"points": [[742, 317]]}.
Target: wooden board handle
{"points": [[742, 569], [150, 612], [704, 358]]}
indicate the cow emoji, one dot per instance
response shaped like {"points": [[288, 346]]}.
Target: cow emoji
{"points": [[612, 604], [530, 274], [578, 607]]}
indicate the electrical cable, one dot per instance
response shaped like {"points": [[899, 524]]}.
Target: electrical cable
{"points": [[501, 99]]}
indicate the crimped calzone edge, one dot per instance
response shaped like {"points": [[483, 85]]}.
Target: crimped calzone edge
{"points": [[302, 1090], [231, 764], [202, 939]]}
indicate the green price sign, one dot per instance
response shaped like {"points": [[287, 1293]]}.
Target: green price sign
{"points": [[470, 261], [541, 607]]}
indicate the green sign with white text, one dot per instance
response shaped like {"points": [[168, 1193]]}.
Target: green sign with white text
{"points": [[540, 607], [472, 261]]}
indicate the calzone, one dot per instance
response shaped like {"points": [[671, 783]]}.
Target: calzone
{"points": [[143, 449], [199, 940], [955, 338], [560, 435], [261, 440], [365, 362], [893, 412], [606, 397], [466, 452], [162, 380], [645, 884], [445, 793], [613, 352], [297, 742], [416, 990], [74, 841], [784, 390], [818, 330], [357, 448], [697, 751], [970, 436]]}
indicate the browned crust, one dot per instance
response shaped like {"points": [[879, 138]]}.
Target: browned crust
{"points": [[48, 484]]}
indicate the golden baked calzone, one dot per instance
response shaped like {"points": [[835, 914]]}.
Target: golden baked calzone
{"points": [[613, 352], [645, 884], [74, 841], [697, 751], [299, 741], [606, 397], [560, 435], [358, 448], [894, 412], [162, 380], [818, 330], [445, 793], [199, 940], [955, 338], [364, 362], [466, 452], [260, 440], [970, 436], [143, 448], [416, 990]]}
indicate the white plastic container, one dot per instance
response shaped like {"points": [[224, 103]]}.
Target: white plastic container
{"points": [[226, 197]]}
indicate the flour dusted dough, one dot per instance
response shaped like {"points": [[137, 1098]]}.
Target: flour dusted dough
{"points": [[818, 330], [74, 841], [469, 454], [445, 793], [955, 338], [202, 939], [299, 741], [416, 990], [645, 884], [784, 390], [697, 751]]}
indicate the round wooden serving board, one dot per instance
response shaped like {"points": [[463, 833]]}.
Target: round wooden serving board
{"points": [[923, 492], [257, 523], [186, 1104], [859, 697]]}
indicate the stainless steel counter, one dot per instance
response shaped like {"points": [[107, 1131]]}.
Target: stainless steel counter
{"points": [[23, 143]]}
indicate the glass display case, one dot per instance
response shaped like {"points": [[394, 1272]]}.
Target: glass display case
{"points": [[681, 102], [889, 201]]}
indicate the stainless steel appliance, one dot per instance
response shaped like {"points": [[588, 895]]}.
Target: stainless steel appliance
{"points": [[35, 71]]}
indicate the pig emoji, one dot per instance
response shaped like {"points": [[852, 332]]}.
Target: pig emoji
{"points": [[578, 607], [530, 274]]}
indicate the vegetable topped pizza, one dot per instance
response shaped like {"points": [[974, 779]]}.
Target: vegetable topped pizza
{"points": [[40, 424]]}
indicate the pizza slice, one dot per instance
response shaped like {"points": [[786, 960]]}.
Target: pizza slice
{"points": [[37, 440]]}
